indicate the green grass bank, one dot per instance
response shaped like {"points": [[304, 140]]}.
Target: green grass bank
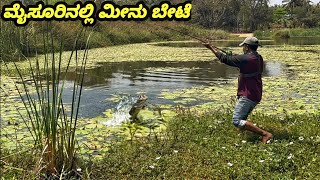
{"points": [[203, 145], [287, 33]]}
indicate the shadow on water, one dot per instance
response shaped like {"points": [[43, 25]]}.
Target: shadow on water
{"points": [[115, 80]]}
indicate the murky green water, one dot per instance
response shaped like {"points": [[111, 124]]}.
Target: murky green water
{"points": [[117, 79], [107, 82]]}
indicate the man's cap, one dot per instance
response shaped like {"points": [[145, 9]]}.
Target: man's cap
{"points": [[250, 41]]}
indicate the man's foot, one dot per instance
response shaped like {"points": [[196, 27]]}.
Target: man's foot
{"points": [[266, 137]]}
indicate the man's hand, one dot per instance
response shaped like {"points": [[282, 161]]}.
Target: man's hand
{"points": [[211, 47], [207, 45]]}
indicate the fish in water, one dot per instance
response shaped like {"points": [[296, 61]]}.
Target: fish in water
{"points": [[137, 107]]}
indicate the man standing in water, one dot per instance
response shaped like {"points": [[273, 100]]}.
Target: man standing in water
{"points": [[249, 83]]}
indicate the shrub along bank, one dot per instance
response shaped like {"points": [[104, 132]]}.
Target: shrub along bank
{"points": [[287, 33]]}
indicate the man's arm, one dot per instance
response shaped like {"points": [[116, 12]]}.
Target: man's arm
{"points": [[234, 61]]}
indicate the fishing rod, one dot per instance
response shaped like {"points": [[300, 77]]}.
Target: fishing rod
{"points": [[194, 37]]}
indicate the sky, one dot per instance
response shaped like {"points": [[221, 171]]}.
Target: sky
{"points": [[272, 2]]}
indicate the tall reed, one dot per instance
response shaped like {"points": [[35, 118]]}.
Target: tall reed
{"points": [[50, 125]]}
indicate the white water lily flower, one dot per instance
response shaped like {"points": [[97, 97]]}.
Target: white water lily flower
{"points": [[175, 151], [301, 138], [230, 164], [243, 141], [290, 143], [261, 161], [152, 167]]}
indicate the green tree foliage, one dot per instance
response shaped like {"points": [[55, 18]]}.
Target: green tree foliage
{"points": [[234, 15], [209, 13], [240, 15], [250, 15], [297, 14], [280, 16]]}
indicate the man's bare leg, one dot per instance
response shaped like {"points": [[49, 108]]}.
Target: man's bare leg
{"points": [[266, 136]]}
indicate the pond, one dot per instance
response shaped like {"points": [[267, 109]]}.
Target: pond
{"points": [[105, 84], [172, 76]]}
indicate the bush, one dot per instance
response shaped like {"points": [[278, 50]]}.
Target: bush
{"points": [[285, 34], [263, 34]]}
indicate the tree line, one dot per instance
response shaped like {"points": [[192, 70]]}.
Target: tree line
{"points": [[251, 15], [207, 16], [243, 15]]}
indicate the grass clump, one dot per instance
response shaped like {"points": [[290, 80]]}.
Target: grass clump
{"points": [[263, 34], [284, 34], [13, 166]]}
